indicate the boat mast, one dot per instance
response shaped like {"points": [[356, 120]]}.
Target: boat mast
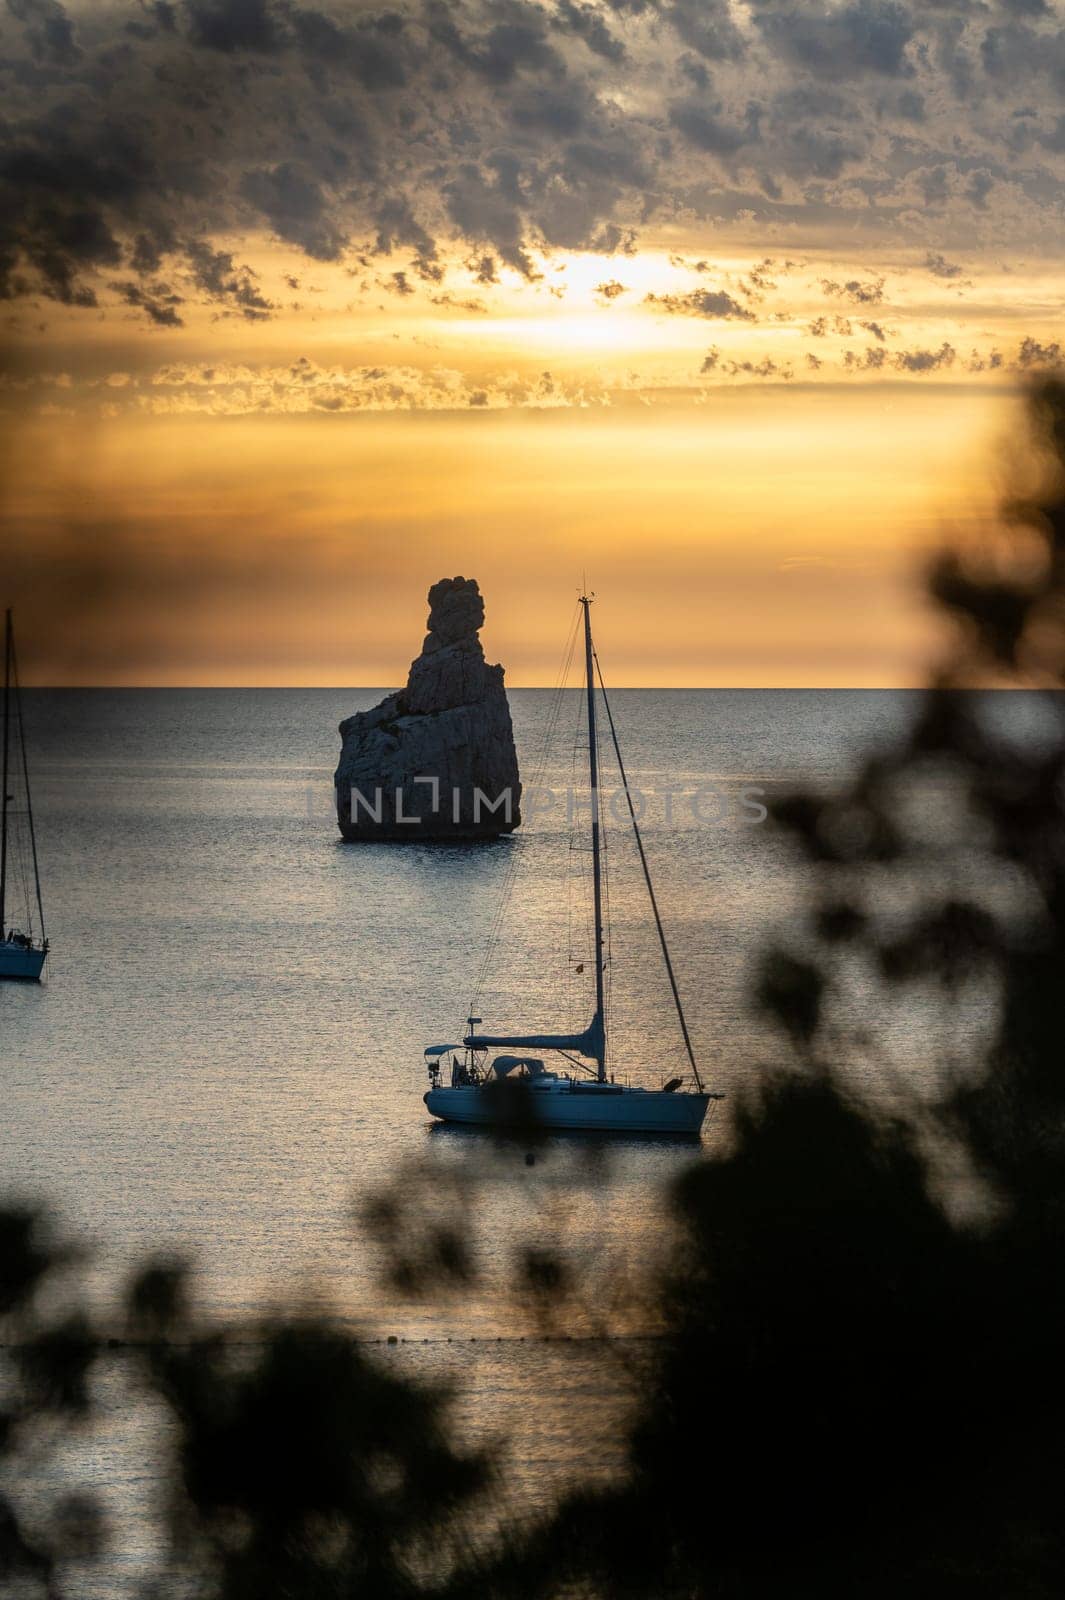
{"points": [[3, 790], [26, 785], [599, 1024]]}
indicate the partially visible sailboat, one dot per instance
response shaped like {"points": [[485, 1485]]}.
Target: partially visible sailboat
{"points": [[23, 945], [586, 1098]]}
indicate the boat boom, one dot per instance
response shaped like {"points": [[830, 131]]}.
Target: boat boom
{"points": [[589, 1043]]}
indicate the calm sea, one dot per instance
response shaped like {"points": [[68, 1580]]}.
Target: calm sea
{"points": [[226, 1053]]}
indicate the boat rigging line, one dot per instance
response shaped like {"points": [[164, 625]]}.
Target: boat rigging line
{"points": [[517, 841], [647, 880], [26, 791]]}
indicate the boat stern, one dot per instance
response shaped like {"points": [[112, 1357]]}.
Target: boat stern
{"points": [[21, 962]]}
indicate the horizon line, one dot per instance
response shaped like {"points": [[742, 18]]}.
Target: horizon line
{"points": [[538, 688]]}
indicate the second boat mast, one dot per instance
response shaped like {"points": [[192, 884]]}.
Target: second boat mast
{"points": [[597, 869]]}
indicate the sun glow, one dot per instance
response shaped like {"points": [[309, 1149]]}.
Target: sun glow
{"points": [[763, 450]]}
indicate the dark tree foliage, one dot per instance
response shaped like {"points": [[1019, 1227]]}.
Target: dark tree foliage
{"points": [[296, 1464], [860, 1394], [306, 1468], [45, 1362]]}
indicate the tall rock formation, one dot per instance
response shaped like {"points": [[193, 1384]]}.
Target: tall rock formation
{"points": [[436, 760]]}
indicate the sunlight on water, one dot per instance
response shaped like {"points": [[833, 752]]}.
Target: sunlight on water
{"points": [[227, 1050]]}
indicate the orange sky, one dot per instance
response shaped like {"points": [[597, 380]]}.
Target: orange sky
{"points": [[760, 537], [225, 505], [304, 308]]}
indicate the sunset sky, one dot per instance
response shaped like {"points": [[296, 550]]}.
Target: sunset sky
{"points": [[723, 305]]}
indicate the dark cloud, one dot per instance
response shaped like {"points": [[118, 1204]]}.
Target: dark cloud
{"points": [[157, 300], [48, 31], [701, 303], [610, 290], [213, 272], [502, 49], [909, 106], [1055, 139], [868, 37], [163, 14], [707, 26], [371, 49], [694, 70], [709, 131], [940, 267], [588, 23], [509, 126], [484, 269], [934, 184], [759, 279], [858, 293], [924, 360], [878, 358], [296, 208], [488, 207], [147, 250], [233, 25], [451, 303], [548, 110], [1016, 54], [396, 225], [979, 187], [871, 360], [714, 361], [1034, 354], [816, 132]]}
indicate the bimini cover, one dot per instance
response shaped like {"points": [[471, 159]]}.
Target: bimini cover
{"points": [[440, 1049], [504, 1064]]}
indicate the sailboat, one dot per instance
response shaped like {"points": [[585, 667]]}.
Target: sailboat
{"points": [[585, 1097], [22, 949]]}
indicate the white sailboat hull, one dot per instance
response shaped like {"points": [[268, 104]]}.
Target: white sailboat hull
{"points": [[586, 1109], [18, 961], [487, 1095]]}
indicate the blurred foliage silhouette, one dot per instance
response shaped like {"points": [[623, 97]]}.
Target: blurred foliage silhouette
{"points": [[860, 1390], [860, 1393]]}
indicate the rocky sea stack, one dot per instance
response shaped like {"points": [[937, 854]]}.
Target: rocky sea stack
{"points": [[436, 760]]}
